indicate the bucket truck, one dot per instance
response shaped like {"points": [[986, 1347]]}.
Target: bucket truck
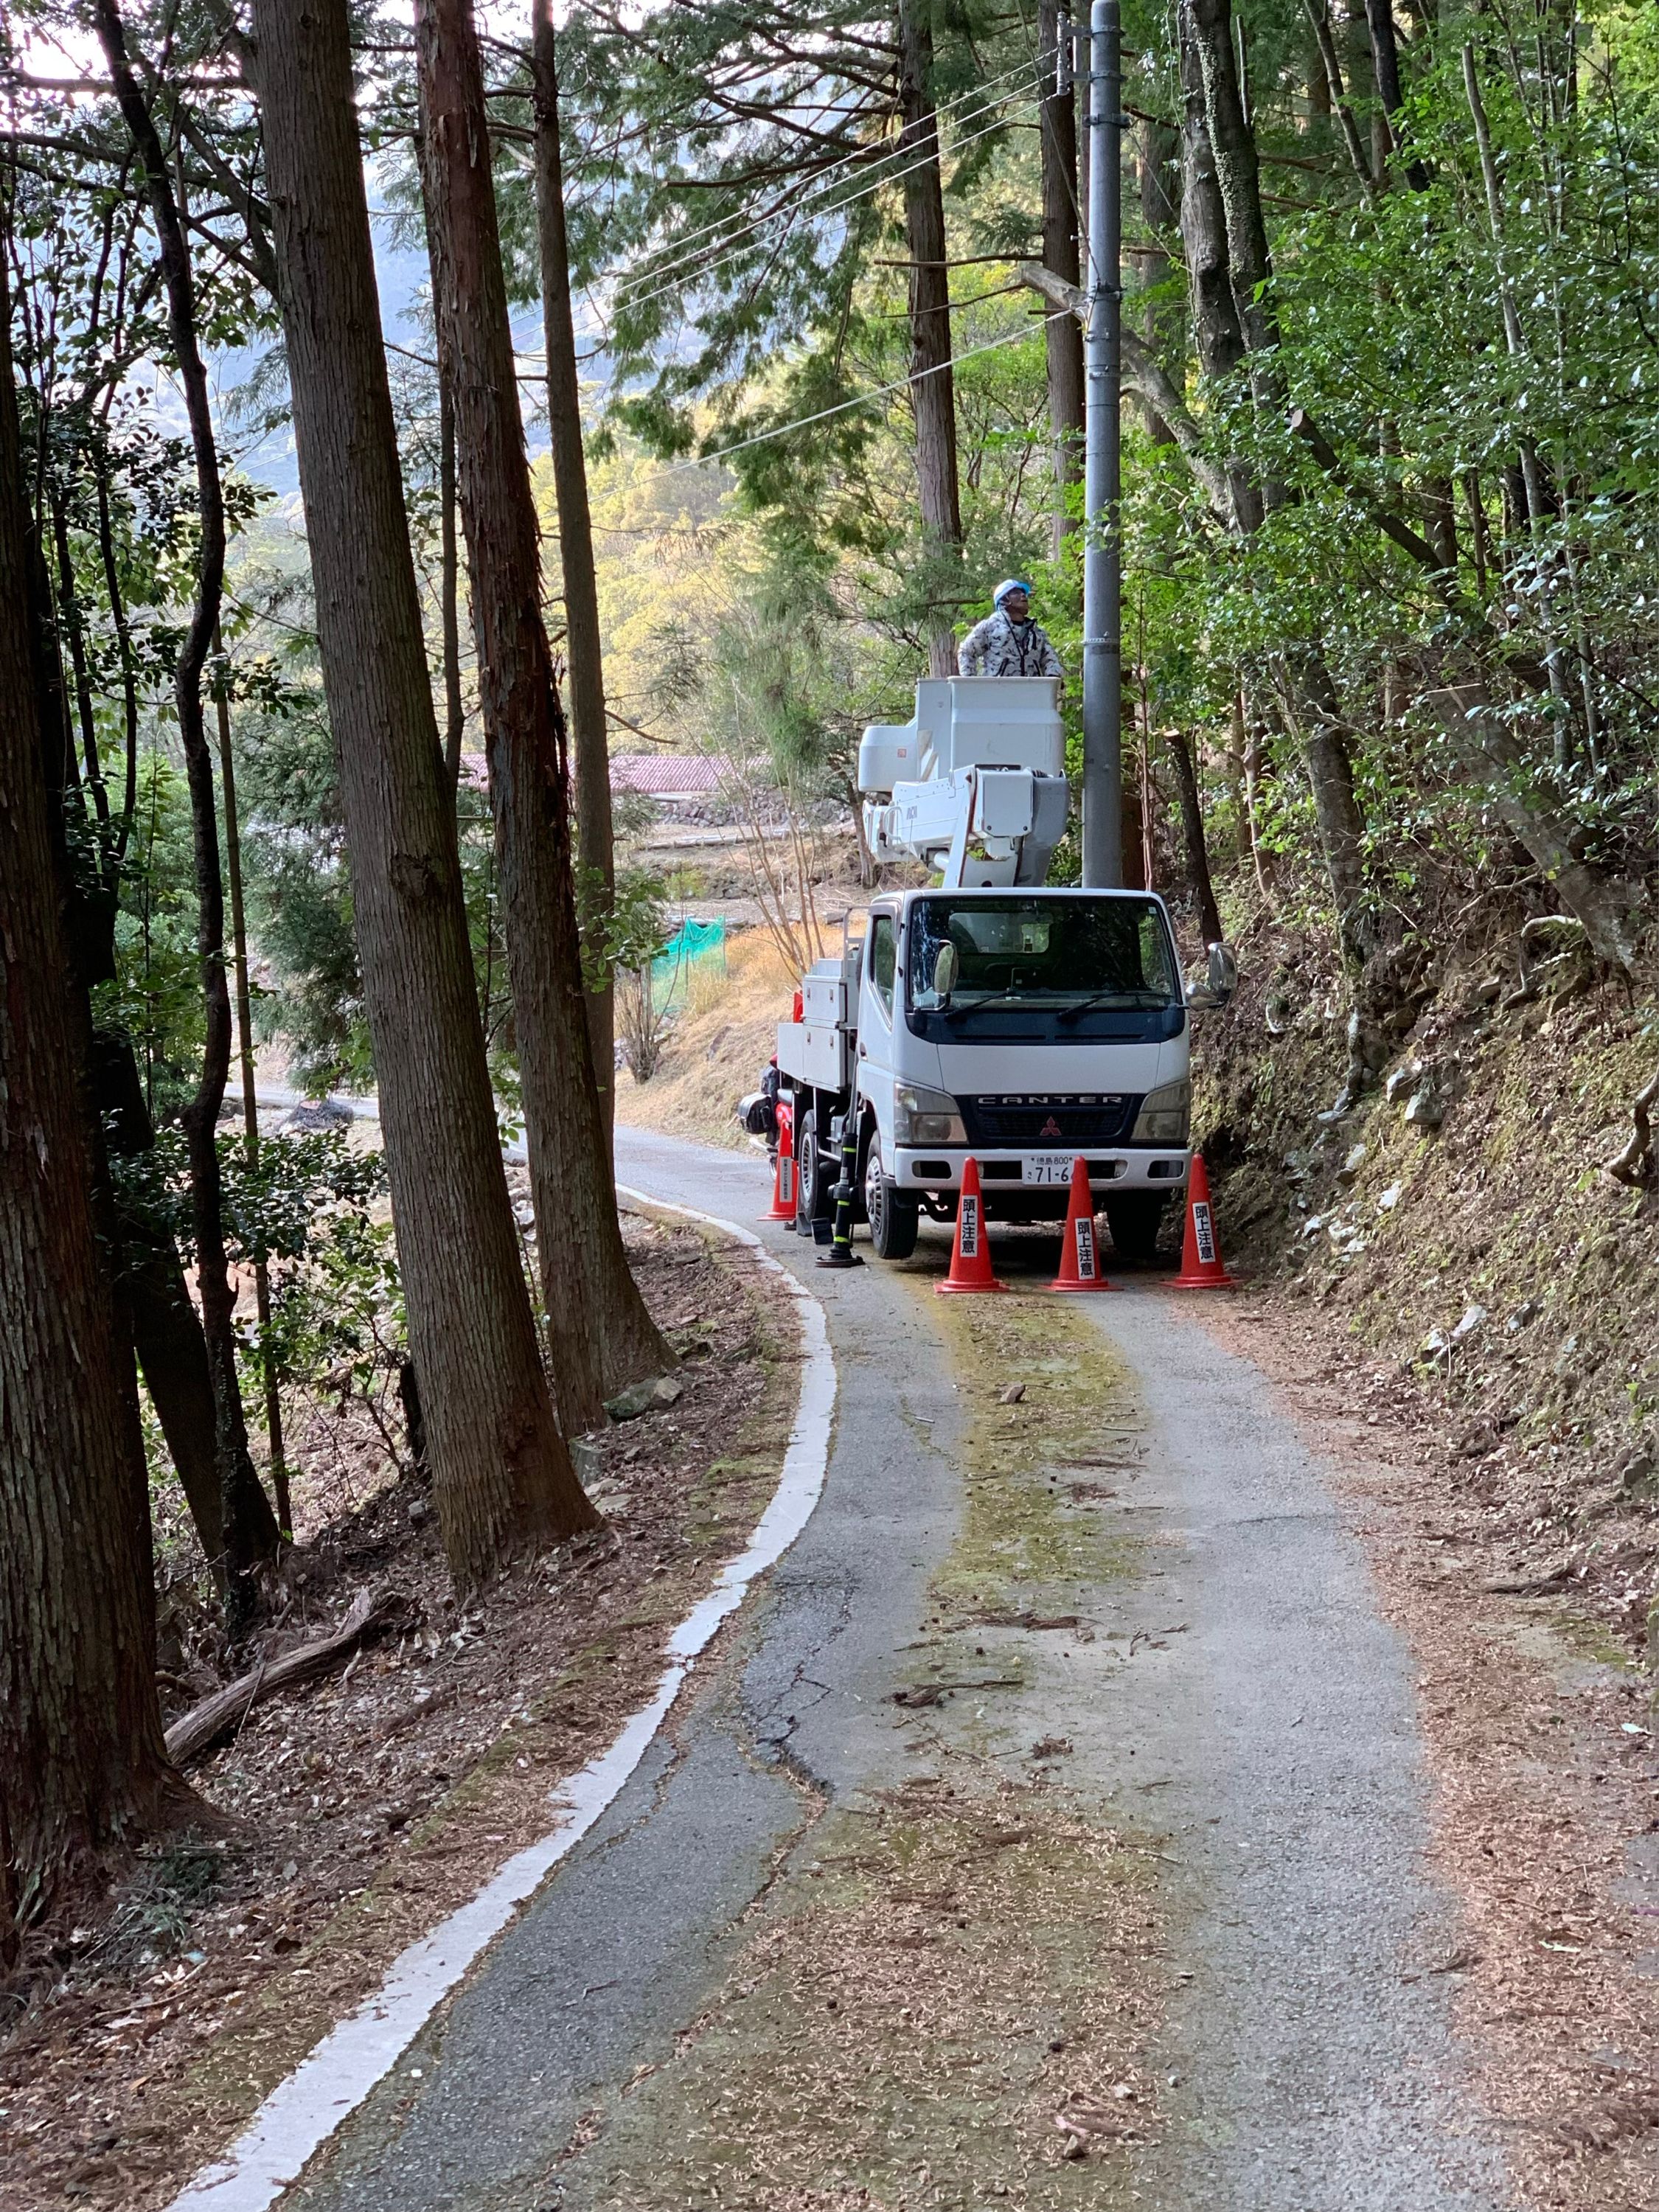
{"points": [[990, 1015]]}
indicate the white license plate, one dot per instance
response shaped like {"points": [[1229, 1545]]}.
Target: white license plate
{"points": [[1048, 1167]]}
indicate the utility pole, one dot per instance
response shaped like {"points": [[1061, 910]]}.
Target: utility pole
{"points": [[1103, 750]]}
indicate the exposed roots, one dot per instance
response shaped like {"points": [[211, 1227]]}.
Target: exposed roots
{"points": [[1635, 1164], [1578, 955]]}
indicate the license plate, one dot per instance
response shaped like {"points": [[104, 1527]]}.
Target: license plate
{"points": [[1048, 1167]]}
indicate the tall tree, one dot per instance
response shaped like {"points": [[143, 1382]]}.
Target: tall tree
{"points": [[1062, 334], [152, 1302], [82, 1767], [500, 1471], [80, 462], [602, 1335], [247, 1526], [933, 393], [584, 650], [1219, 145]]}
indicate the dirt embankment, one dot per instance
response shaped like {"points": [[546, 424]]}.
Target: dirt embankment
{"points": [[1458, 1227], [1454, 1294], [718, 1047]]}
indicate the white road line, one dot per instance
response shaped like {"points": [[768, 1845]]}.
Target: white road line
{"points": [[329, 2085]]}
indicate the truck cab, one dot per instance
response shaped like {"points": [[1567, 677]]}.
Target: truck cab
{"points": [[1021, 1025]]}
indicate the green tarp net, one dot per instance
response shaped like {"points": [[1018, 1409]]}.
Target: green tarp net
{"points": [[693, 945]]}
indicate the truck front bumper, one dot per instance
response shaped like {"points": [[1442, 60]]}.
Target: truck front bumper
{"points": [[1112, 1170]]}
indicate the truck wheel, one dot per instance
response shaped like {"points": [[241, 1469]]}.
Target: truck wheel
{"points": [[813, 1183], [893, 1220], [1134, 1221]]}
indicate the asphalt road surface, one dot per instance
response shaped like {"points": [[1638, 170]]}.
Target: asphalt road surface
{"points": [[1259, 1741]]}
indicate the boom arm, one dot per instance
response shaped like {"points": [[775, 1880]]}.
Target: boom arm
{"points": [[981, 825], [991, 801]]}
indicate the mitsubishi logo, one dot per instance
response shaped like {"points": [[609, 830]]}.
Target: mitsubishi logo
{"points": [[1050, 1128]]}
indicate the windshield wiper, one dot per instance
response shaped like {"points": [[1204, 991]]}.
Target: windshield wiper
{"points": [[1137, 999], [972, 1006]]}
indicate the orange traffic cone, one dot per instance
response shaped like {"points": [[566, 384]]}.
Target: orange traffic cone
{"points": [[970, 1254], [783, 1181], [1202, 1265], [1079, 1257]]}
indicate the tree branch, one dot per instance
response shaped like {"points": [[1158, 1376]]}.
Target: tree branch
{"points": [[1151, 382]]}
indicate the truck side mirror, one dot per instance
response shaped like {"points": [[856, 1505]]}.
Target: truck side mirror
{"points": [[946, 968], [1220, 982]]}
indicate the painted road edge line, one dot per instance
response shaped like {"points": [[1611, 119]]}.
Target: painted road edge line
{"points": [[338, 2074]]}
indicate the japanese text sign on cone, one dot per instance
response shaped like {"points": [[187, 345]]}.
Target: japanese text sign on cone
{"points": [[1080, 1255], [1201, 1264], [783, 1184], [970, 1254]]}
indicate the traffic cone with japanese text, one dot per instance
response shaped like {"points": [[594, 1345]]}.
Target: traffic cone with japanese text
{"points": [[970, 1254], [783, 1180], [1079, 1257], [1202, 1265]]}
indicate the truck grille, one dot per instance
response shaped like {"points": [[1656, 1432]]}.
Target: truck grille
{"points": [[1092, 1119]]}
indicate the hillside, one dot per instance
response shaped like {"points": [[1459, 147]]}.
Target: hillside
{"points": [[1474, 1242]]}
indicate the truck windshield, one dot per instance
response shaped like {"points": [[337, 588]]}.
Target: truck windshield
{"points": [[1064, 960]]}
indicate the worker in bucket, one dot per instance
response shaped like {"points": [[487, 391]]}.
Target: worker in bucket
{"points": [[1008, 642]]}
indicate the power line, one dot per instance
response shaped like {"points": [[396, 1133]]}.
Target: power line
{"points": [[841, 407], [858, 154], [732, 246], [678, 282]]}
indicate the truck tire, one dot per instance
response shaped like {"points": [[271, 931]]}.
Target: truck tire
{"points": [[893, 1220], [1134, 1221], [813, 1183]]}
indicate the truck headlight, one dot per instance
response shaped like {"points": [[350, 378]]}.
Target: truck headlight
{"points": [[1165, 1116], [926, 1117]]}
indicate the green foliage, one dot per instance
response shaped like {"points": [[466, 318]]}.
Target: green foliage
{"points": [[155, 996], [338, 1325], [637, 927]]}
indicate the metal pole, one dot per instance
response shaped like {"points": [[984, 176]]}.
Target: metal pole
{"points": [[1103, 750]]}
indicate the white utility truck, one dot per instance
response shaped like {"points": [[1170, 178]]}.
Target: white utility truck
{"points": [[991, 1016]]}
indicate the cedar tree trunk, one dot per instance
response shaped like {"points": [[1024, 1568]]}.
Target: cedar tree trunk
{"points": [[247, 1521], [1158, 188], [932, 391], [1217, 336], [449, 591], [501, 1473], [82, 1763], [590, 751], [1062, 334], [250, 1103], [1192, 830], [601, 1334], [153, 1305], [1232, 142]]}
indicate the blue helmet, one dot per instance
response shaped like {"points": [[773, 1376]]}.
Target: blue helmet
{"points": [[1009, 584]]}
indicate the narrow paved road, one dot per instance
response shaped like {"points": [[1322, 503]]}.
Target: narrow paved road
{"points": [[1235, 1864]]}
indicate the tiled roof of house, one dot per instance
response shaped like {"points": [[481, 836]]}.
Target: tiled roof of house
{"points": [[665, 775]]}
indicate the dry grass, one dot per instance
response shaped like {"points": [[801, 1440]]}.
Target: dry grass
{"points": [[719, 1046]]}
